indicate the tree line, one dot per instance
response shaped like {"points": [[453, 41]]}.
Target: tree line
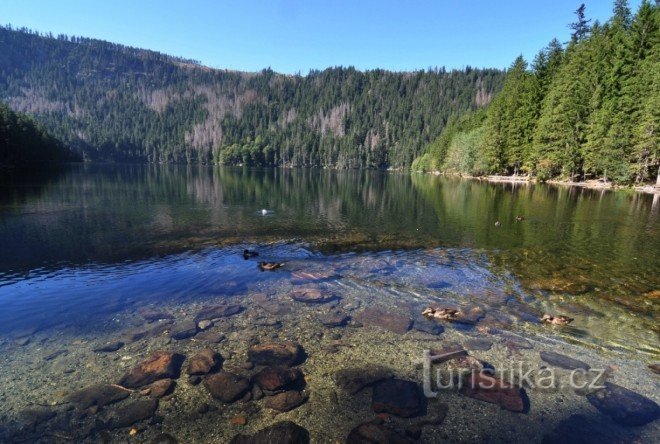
{"points": [[586, 109], [23, 141], [111, 102]]}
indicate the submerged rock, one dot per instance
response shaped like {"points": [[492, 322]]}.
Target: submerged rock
{"points": [[624, 406], [98, 395], [427, 326], [450, 351], [183, 329], [580, 429], [218, 311], [353, 380], [205, 361], [164, 438], [479, 344], [161, 365], [334, 319], [154, 315], [162, 388], [285, 432], [398, 397], [274, 379], [276, 353], [373, 432], [394, 322], [311, 296], [227, 387], [559, 360], [283, 402], [212, 337], [495, 391], [109, 347], [134, 412], [33, 417]]}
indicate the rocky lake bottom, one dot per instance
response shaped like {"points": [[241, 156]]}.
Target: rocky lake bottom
{"points": [[326, 349]]}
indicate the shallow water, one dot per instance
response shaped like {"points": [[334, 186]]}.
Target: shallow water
{"points": [[86, 251]]}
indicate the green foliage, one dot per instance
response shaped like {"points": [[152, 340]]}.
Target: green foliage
{"points": [[590, 111], [125, 104], [22, 141]]}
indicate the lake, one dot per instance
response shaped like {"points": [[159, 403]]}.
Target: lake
{"points": [[151, 257]]}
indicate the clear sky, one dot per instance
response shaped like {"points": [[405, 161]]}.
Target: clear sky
{"points": [[297, 35]]}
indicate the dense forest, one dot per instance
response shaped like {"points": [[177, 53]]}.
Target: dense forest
{"points": [[587, 109], [23, 141], [112, 102]]}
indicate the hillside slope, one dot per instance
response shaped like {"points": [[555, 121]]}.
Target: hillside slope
{"points": [[113, 102]]}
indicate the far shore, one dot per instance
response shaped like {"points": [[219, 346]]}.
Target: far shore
{"points": [[591, 184]]}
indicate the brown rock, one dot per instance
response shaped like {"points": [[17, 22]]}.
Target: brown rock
{"points": [[212, 337], [372, 432], [450, 351], [184, 329], [98, 395], [204, 362], [479, 344], [334, 319], [153, 314], [283, 402], [160, 365], [655, 368], [227, 387], [398, 397], [276, 353], [393, 322], [218, 311], [164, 438], [162, 388], [238, 420], [559, 360], [355, 379], [274, 379], [624, 406], [311, 296], [495, 391], [285, 432], [109, 347], [129, 414]]}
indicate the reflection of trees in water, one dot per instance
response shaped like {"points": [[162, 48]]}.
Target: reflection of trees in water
{"points": [[569, 232], [103, 213]]}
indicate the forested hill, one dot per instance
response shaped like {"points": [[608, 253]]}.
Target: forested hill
{"points": [[588, 109], [113, 102], [23, 142]]}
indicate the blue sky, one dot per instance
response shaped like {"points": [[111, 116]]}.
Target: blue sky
{"points": [[297, 35]]}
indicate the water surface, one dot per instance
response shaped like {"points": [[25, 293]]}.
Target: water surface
{"points": [[88, 248]]}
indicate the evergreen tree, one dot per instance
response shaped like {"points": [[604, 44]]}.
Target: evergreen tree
{"points": [[581, 26]]}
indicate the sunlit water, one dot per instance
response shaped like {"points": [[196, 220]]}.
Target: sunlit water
{"points": [[83, 248]]}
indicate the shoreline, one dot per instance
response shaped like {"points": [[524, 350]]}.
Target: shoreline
{"points": [[590, 184]]}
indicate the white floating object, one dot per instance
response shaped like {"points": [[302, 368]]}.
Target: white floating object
{"points": [[264, 212]]}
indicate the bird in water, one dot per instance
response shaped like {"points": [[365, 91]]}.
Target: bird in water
{"points": [[556, 320], [264, 211], [520, 218], [448, 314], [247, 254], [497, 223], [270, 266]]}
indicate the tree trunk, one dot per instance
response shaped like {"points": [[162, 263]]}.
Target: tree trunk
{"points": [[657, 179]]}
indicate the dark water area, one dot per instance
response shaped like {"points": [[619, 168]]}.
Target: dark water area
{"points": [[86, 251]]}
